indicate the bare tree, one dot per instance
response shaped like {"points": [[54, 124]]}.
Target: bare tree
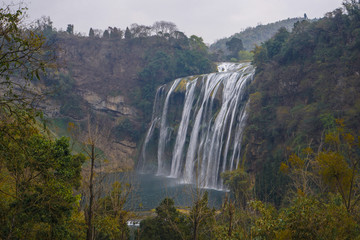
{"points": [[163, 27], [89, 140], [140, 30]]}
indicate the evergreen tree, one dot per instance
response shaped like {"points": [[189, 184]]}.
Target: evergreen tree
{"points": [[91, 33], [127, 33], [234, 46], [106, 34], [70, 29]]}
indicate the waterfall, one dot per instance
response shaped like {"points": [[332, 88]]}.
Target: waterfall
{"points": [[154, 120], [164, 131], [181, 135], [209, 131]]}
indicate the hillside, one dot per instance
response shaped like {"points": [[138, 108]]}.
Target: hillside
{"points": [[252, 36], [114, 79], [305, 80]]}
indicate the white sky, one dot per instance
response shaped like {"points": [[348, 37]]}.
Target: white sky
{"points": [[208, 19]]}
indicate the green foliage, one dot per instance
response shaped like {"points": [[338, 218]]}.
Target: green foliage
{"points": [[168, 224], [127, 34], [63, 90], [239, 183], [38, 177], [91, 33], [173, 60], [111, 217], [306, 79], [274, 45], [245, 56], [106, 34], [18, 48], [24, 56], [126, 130], [70, 29], [234, 45], [252, 36], [306, 218], [202, 217]]}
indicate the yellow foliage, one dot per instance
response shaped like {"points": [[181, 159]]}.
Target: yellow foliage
{"points": [[334, 168], [340, 122], [283, 234], [300, 193], [332, 138], [284, 168], [349, 138], [71, 127], [296, 161], [308, 151]]}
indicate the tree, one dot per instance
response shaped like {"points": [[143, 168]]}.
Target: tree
{"points": [[336, 164], [163, 27], [70, 29], [90, 139], [275, 44], [37, 177], [197, 43], [127, 34], [353, 8], [201, 217], [24, 55], [91, 33], [234, 45], [238, 181], [115, 32], [44, 25], [168, 223], [106, 34], [339, 164], [111, 218], [305, 218], [140, 30]]}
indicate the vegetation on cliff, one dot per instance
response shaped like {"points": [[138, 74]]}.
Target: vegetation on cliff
{"points": [[252, 36], [302, 141], [305, 79], [40, 177], [116, 65]]}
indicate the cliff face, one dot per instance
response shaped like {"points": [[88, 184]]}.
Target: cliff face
{"points": [[97, 77], [114, 81]]}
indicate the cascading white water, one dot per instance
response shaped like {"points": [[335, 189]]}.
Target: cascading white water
{"points": [[208, 135], [181, 135], [164, 131], [154, 120]]}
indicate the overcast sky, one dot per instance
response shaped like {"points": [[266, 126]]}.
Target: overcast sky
{"points": [[208, 19]]}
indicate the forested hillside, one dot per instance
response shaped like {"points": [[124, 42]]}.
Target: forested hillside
{"points": [[252, 36], [305, 80]]}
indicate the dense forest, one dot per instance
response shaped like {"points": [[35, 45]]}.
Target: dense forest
{"points": [[305, 81], [253, 36], [300, 171]]}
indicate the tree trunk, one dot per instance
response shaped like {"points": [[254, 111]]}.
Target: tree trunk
{"points": [[90, 232]]}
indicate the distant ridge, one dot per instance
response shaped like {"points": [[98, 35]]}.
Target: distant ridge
{"points": [[252, 36]]}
